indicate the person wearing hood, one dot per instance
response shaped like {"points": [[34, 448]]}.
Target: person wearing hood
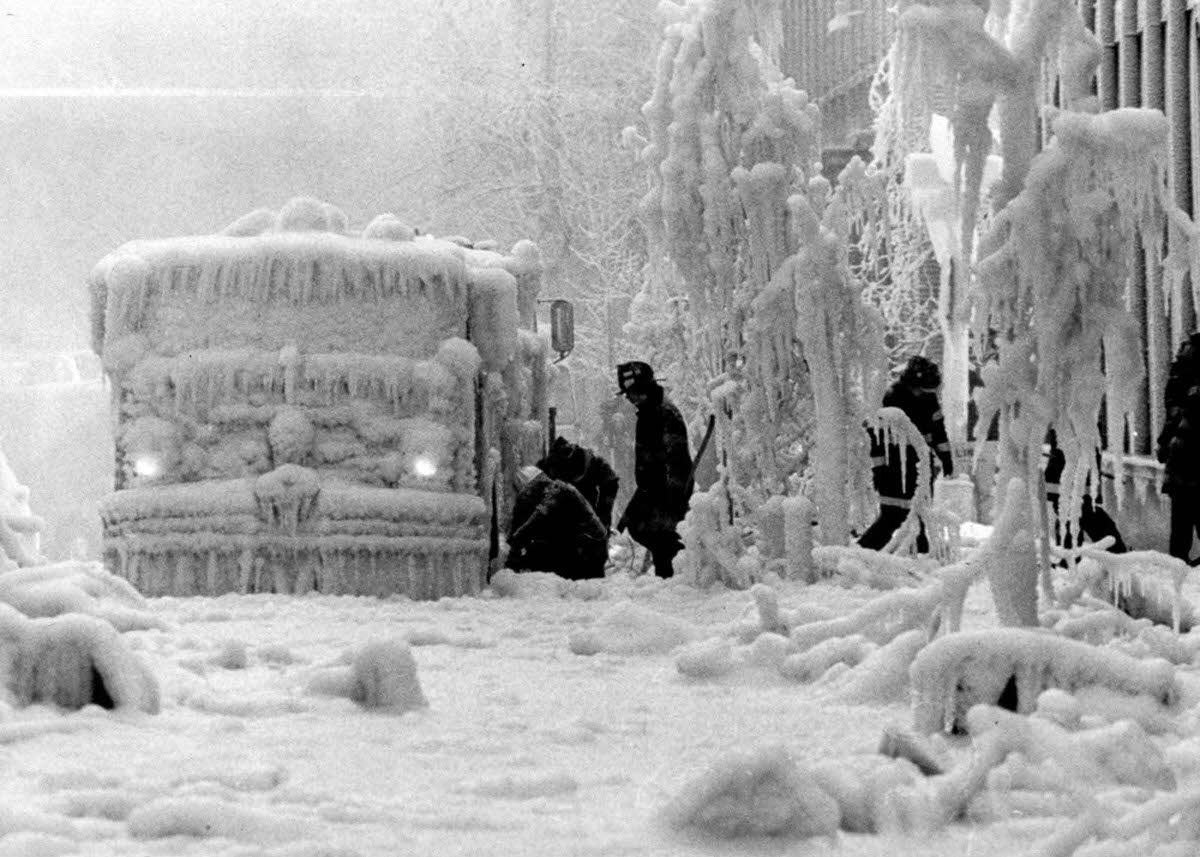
{"points": [[894, 475], [1178, 446], [662, 468]]}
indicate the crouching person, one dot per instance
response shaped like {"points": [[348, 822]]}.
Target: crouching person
{"points": [[555, 529], [591, 475]]}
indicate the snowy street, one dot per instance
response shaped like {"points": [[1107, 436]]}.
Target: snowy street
{"points": [[355, 358], [525, 748]]}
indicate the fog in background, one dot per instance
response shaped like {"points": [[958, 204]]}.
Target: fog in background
{"points": [[139, 118], [152, 118]]}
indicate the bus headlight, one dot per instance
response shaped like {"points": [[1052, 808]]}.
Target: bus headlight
{"points": [[147, 466], [424, 466]]}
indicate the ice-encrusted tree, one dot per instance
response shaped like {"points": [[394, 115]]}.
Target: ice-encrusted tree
{"points": [[747, 223], [721, 120], [1055, 284], [962, 80], [1053, 276]]}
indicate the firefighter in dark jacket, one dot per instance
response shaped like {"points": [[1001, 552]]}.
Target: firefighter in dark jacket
{"points": [[662, 468], [1094, 521], [555, 529], [1178, 447], [591, 475], [895, 478]]}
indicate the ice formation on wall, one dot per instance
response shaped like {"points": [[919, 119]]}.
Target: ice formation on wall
{"points": [[298, 407]]}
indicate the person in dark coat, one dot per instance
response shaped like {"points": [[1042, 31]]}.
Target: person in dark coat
{"points": [[591, 475], [895, 477], [555, 529], [1178, 447], [1094, 521], [662, 468]]}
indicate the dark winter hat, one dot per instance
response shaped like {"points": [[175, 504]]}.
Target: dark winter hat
{"points": [[635, 377], [921, 372]]}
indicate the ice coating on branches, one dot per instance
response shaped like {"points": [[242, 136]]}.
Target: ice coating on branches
{"points": [[729, 142], [1056, 273], [955, 671], [880, 620], [981, 72], [71, 661]]}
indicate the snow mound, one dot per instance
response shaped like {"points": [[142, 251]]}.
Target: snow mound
{"points": [[523, 786], [308, 214], [385, 676], [255, 222], [507, 583], [388, 227], [707, 659], [759, 794], [382, 675], [204, 818], [629, 629]]}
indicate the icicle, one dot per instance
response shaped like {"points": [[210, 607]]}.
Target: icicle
{"points": [[245, 570], [130, 567], [181, 581]]}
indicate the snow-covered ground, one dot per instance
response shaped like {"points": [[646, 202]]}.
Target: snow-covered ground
{"points": [[528, 744]]}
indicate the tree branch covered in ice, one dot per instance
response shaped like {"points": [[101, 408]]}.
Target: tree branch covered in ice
{"points": [[1055, 277], [71, 661], [729, 141], [957, 671], [1015, 764]]}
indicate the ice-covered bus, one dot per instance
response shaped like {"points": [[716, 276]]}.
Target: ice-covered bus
{"points": [[300, 406]]}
